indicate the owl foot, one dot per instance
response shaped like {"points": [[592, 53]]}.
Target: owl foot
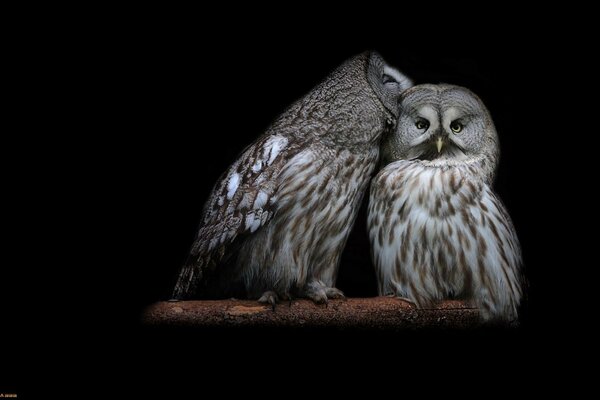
{"points": [[334, 293], [406, 299], [269, 297], [320, 294]]}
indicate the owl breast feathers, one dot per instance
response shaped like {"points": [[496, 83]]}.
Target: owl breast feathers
{"points": [[276, 222], [441, 232], [437, 229]]}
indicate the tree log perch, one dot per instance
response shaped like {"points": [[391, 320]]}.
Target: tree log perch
{"points": [[382, 313]]}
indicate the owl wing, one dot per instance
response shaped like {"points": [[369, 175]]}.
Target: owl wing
{"points": [[243, 200]]}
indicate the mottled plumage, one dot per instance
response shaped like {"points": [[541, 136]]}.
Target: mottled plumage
{"points": [[436, 227], [278, 219]]}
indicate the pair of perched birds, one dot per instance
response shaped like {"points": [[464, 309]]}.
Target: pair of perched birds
{"points": [[277, 221]]}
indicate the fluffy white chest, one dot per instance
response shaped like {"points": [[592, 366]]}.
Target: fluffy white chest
{"points": [[441, 232]]}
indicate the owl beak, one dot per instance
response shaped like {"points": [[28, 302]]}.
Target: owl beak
{"points": [[439, 144]]}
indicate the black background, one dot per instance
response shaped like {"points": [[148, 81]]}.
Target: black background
{"points": [[201, 105], [177, 102], [198, 104], [144, 106]]}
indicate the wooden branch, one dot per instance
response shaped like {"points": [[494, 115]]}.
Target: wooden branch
{"points": [[381, 313]]}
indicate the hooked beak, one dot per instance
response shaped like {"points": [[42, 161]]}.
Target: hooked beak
{"points": [[439, 144]]}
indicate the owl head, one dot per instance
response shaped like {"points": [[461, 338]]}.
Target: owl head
{"points": [[443, 125], [387, 82]]}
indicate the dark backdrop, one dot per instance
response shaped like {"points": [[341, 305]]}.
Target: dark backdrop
{"points": [[193, 100], [198, 106], [173, 101]]}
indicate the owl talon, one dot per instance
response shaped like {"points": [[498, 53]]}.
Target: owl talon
{"points": [[409, 301], [320, 294], [269, 297], [334, 293], [317, 296]]}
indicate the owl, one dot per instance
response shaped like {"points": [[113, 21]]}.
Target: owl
{"points": [[277, 220], [436, 227]]}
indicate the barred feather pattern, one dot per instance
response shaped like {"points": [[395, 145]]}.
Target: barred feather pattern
{"points": [[282, 212], [437, 230], [319, 198]]}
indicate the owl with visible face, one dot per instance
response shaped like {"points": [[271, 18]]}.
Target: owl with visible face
{"points": [[436, 227]]}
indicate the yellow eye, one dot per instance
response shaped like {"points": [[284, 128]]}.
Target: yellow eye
{"points": [[456, 126], [422, 124]]}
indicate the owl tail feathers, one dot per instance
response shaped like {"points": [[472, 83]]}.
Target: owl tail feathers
{"points": [[188, 281]]}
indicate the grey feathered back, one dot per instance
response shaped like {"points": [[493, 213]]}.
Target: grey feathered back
{"points": [[277, 209]]}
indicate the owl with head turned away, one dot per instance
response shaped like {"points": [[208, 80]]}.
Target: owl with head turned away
{"points": [[436, 227], [276, 222]]}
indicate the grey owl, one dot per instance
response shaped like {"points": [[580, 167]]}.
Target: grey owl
{"points": [[436, 227], [277, 220]]}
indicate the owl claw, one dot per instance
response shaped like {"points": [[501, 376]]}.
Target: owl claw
{"points": [[320, 294], [317, 296], [409, 301], [269, 297], [334, 293]]}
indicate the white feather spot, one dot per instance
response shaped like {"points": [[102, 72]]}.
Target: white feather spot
{"points": [[232, 185], [257, 166], [253, 221], [261, 200], [221, 201], [273, 147], [249, 220], [255, 225]]}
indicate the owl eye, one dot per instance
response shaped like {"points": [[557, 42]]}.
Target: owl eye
{"points": [[389, 82], [388, 79], [422, 124], [456, 126]]}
